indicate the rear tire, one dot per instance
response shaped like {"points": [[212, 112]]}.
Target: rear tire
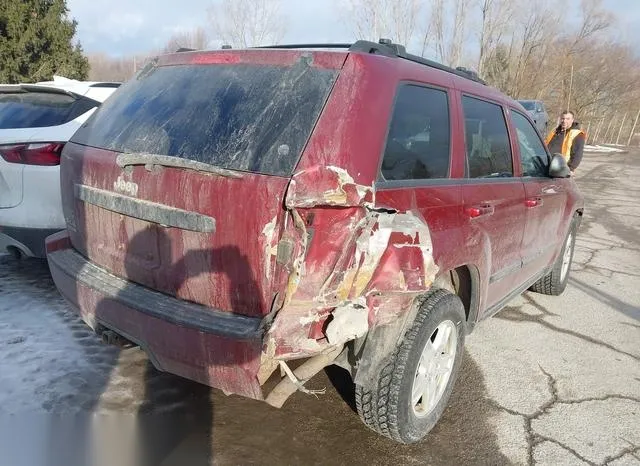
{"points": [[556, 280], [408, 396]]}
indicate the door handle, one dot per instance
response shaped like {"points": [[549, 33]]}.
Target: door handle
{"points": [[533, 202], [480, 210]]}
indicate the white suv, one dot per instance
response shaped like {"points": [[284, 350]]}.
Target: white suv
{"points": [[36, 120]]}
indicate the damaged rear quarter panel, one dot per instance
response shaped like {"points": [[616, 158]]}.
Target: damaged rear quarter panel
{"points": [[371, 253], [357, 242], [378, 261]]}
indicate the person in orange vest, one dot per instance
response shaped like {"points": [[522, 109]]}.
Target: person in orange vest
{"points": [[567, 139]]}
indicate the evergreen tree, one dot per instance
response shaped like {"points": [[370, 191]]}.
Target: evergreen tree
{"points": [[36, 42]]}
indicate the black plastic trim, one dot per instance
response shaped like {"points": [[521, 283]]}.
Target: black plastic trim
{"points": [[505, 272], [146, 210], [154, 303], [425, 183], [386, 48], [395, 184], [518, 291], [305, 46]]}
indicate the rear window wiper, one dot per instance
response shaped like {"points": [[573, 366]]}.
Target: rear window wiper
{"points": [[130, 159]]}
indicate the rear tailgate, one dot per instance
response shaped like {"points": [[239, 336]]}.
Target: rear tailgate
{"points": [[177, 182]]}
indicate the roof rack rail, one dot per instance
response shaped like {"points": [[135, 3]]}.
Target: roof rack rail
{"points": [[386, 48], [305, 46]]}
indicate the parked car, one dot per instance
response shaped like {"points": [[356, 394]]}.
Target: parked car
{"points": [[36, 121], [535, 109], [231, 211]]}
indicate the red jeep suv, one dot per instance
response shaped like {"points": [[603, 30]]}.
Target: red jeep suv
{"points": [[231, 211]]}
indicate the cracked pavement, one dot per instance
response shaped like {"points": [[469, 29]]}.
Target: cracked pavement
{"points": [[569, 367], [547, 381]]}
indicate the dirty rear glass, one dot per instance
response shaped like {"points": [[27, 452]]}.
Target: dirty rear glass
{"points": [[254, 118]]}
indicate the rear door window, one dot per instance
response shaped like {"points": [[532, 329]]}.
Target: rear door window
{"points": [[419, 140], [35, 109], [245, 117], [487, 140]]}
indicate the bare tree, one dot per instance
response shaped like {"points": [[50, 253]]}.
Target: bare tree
{"points": [[195, 39], [448, 29], [105, 68], [459, 32], [247, 23], [393, 19], [594, 20], [495, 19], [517, 56], [437, 28]]}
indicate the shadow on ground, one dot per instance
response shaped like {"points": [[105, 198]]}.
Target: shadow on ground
{"points": [[328, 431], [181, 422]]}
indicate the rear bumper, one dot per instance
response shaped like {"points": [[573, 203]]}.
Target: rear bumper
{"points": [[212, 347], [31, 241]]}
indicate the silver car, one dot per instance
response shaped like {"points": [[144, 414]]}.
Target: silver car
{"points": [[535, 109]]}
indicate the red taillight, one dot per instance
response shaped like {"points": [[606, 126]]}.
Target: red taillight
{"points": [[41, 153]]}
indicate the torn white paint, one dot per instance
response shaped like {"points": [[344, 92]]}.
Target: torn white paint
{"points": [[334, 193], [268, 233], [413, 226], [350, 321], [345, 178], [343, 175]]}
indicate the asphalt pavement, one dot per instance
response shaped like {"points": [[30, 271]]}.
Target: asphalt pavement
{"points": [[548, 380]]}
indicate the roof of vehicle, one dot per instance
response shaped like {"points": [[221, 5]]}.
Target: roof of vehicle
{"points": [[96, 90], [332, 55], [461, 78]]}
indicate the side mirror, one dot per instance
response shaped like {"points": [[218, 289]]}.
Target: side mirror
{"points": [[558, 167]]}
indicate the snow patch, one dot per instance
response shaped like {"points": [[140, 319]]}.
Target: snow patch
{"points": [[50, 361], [602, 149]]}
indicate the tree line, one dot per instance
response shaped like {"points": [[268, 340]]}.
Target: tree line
{"points": [[568, 57]]}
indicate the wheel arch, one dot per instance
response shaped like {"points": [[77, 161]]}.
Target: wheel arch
{"points": [[464, 281], [367, 354]]}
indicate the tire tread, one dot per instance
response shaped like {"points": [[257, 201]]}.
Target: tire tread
{"points": [[551, 284], [377, 405]]}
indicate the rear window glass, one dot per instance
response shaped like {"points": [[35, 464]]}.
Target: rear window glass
{"points": [[34, 109], [253, 118], [419, 135]]}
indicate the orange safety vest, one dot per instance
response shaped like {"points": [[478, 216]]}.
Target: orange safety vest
{"points": [[569, 137]]}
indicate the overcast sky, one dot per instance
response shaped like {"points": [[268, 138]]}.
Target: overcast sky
{"points": [[123, 27]]}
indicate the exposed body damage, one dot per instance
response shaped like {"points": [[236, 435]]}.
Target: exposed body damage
{"points": [[338, 189], [295, 207], [352, 267]]}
